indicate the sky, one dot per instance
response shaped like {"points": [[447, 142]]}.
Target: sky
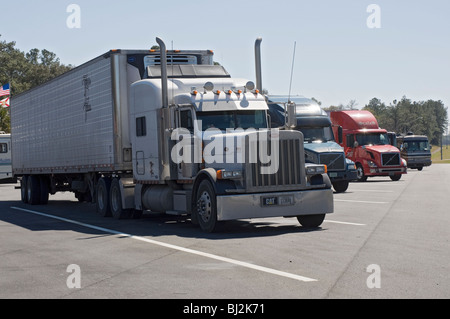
{"points": [[338, 57]]}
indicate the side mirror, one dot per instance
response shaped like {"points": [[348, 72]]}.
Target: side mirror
{"points": [[340, 138], [291, 121], [269, 121], [356, 144]]}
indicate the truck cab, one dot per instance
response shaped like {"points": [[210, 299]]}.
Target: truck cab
{"points": [[367, 145], [415, 150], [319, 141]]}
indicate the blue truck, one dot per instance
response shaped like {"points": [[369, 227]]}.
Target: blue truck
{"points": [[319, 141]]}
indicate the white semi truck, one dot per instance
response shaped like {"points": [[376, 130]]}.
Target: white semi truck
{"points": [[5, 157], [163, 131]]}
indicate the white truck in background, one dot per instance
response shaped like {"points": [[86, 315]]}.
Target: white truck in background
{"points": [[110, 131], [5, 158]]}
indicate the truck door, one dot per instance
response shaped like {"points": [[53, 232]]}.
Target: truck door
{"points": [[349, 146], [188, 150]]}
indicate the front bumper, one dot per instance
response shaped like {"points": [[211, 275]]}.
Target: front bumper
{"points": [[280, 204], [349, 175], [385, 171], [415, 163]]}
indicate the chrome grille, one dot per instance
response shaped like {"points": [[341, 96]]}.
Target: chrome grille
{"points": [[289, 173], [334, 161], [390, 159]]}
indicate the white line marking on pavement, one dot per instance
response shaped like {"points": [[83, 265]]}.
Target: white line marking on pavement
{"points": [[345, 223], [372, 191], [179, 248], [359, 201]]}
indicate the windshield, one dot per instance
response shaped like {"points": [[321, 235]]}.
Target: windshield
{"points": [[223, 120], [317, 134], [372, 139], [413, 146]]}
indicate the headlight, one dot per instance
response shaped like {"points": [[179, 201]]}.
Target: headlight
{"points": [[404, 163], [222, 174], [371, 164], [316, 169]]}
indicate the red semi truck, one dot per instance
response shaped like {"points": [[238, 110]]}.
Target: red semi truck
{"points": [[367, 145]]}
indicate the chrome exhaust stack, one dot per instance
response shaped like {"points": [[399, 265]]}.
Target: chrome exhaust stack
{"points": [[258, 64], [164, 79]]}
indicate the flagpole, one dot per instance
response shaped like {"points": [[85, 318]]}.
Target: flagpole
{"points": [[10, 96]]}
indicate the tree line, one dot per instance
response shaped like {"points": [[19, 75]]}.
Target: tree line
{"points": [[25, 70], [418, 117]]}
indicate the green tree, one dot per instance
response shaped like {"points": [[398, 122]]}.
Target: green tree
{"points": [[26, 70], [423, 117], [4, 120]]}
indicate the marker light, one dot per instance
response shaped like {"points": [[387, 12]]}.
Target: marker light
{"points": [[209, 86], [250, 86]]}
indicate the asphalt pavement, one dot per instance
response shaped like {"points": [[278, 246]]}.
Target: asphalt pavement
{"points": [[385, 240]]}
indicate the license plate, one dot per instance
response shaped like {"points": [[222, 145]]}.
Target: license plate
{"points": [[269, 201], [284, 200], [333, 174]]}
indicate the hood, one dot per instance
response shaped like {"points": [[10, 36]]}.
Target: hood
{"points": [[328, 147], [381, 148]]}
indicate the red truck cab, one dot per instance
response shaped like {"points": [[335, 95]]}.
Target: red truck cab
{"points": [[367, 145]]}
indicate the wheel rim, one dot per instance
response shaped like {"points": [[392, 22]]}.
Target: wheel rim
{"points": [[205, 206], [360, 172]]}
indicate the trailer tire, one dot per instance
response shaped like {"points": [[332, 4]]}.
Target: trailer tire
{"points": [[33, 190], [102, 203], [44, 190], [115, 198], [311, 221], [206, 207], [24, 189]]}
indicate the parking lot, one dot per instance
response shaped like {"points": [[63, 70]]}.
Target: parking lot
{"points": [[385, 239]]}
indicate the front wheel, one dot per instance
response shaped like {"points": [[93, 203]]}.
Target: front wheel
{"points": [[361, 177], [340, 186], [311, 221], [206, 207], [396, 177]]}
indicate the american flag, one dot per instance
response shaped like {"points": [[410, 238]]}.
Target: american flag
{"points": [[4, 90]]}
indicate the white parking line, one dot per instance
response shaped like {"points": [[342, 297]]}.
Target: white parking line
{"points": [[359, 201], [372, 191], [345, 223], [179, 248]]}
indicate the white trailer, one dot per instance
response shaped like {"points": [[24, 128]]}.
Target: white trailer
{"points": [[110, 131], [5, 157]]}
